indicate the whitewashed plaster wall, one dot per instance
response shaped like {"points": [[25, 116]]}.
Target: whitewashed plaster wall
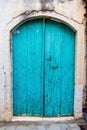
{"points": [[12, 12]]}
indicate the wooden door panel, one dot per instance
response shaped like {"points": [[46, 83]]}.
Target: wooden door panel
{"points": [[28, 69], [35, 68], [52, 69], [19, 54], [59, 69], [67, 68]]}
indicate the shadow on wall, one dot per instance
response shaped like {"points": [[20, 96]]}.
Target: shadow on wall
{"points": [[46, 4]]}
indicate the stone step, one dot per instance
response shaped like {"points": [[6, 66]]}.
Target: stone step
{"points": [[44, 126]]}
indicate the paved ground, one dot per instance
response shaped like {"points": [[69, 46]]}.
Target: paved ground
{"points": [[43, 125]]}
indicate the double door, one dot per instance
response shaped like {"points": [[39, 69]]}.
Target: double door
{"points": [[43, 69]]}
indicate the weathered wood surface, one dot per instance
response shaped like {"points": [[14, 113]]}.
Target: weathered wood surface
{"points": [[43, 69]]}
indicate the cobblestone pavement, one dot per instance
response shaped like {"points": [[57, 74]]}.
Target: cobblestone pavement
{"points": [[44, 125]]}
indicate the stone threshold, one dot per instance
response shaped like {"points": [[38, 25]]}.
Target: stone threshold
{"points": [[58, 119]]}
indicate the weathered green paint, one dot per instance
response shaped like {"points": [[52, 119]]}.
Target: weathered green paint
{"points": [[52, 68], [59, 69], [43, 53], [19, 51], [28, 69], [34, 68]]}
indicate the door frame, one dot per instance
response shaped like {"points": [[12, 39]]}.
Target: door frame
{"points": [[79, 57]]}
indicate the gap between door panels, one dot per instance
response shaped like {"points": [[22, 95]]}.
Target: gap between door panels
{"points": [[43, 58]]}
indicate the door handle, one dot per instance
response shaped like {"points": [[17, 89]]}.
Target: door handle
{"points": [[55, 67]]}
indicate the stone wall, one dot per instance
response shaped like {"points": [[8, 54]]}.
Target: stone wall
{"points": [[14, 12]]}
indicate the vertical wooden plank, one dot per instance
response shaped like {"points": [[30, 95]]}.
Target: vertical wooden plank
{"points": [[35, 68], [52, 67], [19, 54], [67, 68]]}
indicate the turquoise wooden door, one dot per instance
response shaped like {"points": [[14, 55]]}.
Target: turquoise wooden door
{"points": [[43, 53]]}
